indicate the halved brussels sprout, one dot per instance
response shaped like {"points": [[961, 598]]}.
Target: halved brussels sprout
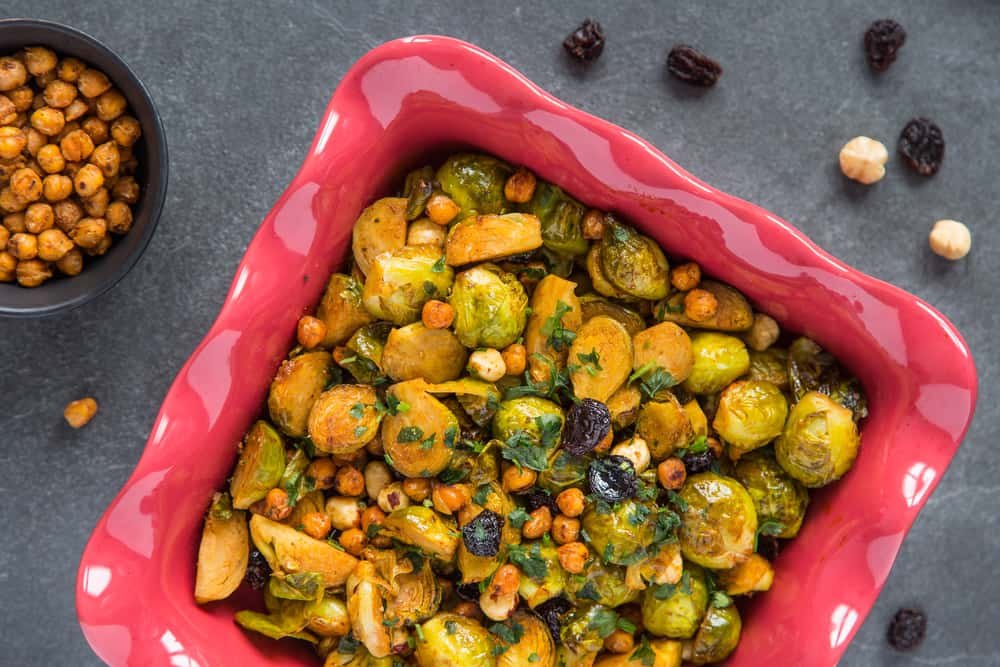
{"points": [[414, 596], [665, 426], [341, 309], [632, 262], [717, 637], [477, 398], [380, 228], [733, 312], [665, 653], [699, 422], [664, 346], [555, 318], [770, 365], [475, 182], [450, 640], [542, 577], [676, 610], [751, 576], [273, 626], [563, 471], [621, 535], [530, 428], [750, 414], [344, 419], [401, 281], [419, 440], [259, 468], [478, 568], [820, 441], [488, 237], [602, 355], [718, 521], [367, 344], [718, 360], [414, 351], [355, 656], [535, 648], [328, 617], [287, 551], [586, 626], [301, 586], [779, 500], [598, 279], [300, 380], [560, 215], [593, 306], [423, 528], [223, 551], [364, 608], [624, 406], [490, 307], [812, 369], [601, 583]]}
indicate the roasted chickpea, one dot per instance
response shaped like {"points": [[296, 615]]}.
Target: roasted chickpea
{"points": [[102, 247], [53, 245], [126, 189], [45, 79], [520, 187], [518, 479], [22, 98], [8, 112], [48, 121], [23, 246], [38, 218], [699, 305], [448, 499], [593, 225], [11, 202], [76, 146], [59, 94], [322, 472], [671, 473], [316, 524], [12, 73], [51, 159], [125, 130], [417, 488], [39, 60], [619, 641], [685, 276], [68, 213], [565, 529], [88, 232], [276, 505], [97, 204], [570, 502], [110, 105], [32, 272], [4, 238], [56, 187], [79, 413], [71, 263], [372, 515], [310, 330], [92, 82], [76, 109], [107, 158], [353, 541], [573, 556], [349, 481], [14, 223], [539, 523], [8, 267], [12, 141], [26, 184], [440, 208], [35, 141], [88, 180], [437, 314], [69, 69], [515, 358], [97, 129]]}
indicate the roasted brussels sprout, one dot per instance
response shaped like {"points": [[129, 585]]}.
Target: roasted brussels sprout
{"points": [[770, 365], [327, 617], [423, 528], [602, 355], [535, 646], [367, 345], [530, 428], [413, 596], [624, 406], [780, 501], [718, 521], [753, 575], [820, 441], [484, 529], [555, 317], [542, 577], [585, 627], [490, 307], [355, 655], [812, 369], [601, 583], [380, 228], [560, 215], [301, 586], [663, 348], [414, 351], [661, 653], [732, 313], [621, 535], [598, 279], [401, 281], [285, 548], [564, 470], [419, 440], [259, 468], [717, 636], [751, 414], [676, 610], [341, 309], [633, 263], [365, 609], [477, 398], [273, 625], [593, 306], [665, 426], [343, 419], [299, 382], [223, 552], [488, 237], [718, 360], [475, 182], [450, 640]]}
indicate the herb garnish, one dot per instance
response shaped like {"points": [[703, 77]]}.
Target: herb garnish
{"points": [[556, 335]]}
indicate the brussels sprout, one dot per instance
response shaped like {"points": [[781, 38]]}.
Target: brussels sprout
{"points": [[475, 182], [450, 640], [272, 626], [530, 428], [622, 534], [283, 548], [259, 468], [820, 441], [812, 369], [563, 471], [661, 653], [364, 608], [633, 263], [602, 354], [717, 637], [598, 279], [600, 583], [753, 575], [416, 598], [779, 500], [624, 406], [718, 360], [344, 419], [380, 228], [664, 347], [770, 365], [586, 626], [750, 414], [496, 500], [542, 577], [718, 521], [490, 307], [354, 654], [327, 617], [569, 657], [535, 648], [367, 344], [419, 440], [414, 351], [300, 380], [593, 306], [418, 188], [676, 610], [302, 586], [699, 422], [555, 317], [733, 312], [488, 237], [477, 398], [561, 216], [341, 309], [223, 552], [476, 469], [401, 281], [423, 528], [665, 426]]}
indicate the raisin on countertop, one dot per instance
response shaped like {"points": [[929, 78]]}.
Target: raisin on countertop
{"points": [[258, 571], [587, 424], [482, 535], [586, 42], [907, 629], [883, 39], [692, 66], [921, 145]]}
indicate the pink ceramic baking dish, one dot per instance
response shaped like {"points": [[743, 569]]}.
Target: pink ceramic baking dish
{"points": [[422, 96]]}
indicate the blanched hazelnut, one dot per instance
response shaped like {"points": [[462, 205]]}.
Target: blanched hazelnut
{"points": [[950, 239], [423, 231], [763, 332], [487, 364], [863, 160]]}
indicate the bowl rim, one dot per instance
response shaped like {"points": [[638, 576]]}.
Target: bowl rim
{"points": [[463, 56], [155, 205]]}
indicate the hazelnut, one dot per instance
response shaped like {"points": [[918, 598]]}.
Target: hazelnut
{"points": [[950, 239], [863, 160]]}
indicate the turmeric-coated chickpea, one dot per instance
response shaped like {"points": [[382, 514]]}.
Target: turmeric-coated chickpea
{"points": [[43, 80], [89, 232], [14, 223], [68, 213], [107, 158], [102, 247], [69, 69], [437, 314], [442, 209], [276, 505], [570, 502], [39, 60], [79, 413], [53, 245], [505, 581], [685, 276], [88, 180], [51, 159], [23, 98], [23, 245], [92, 82], [349, 481], [59, 94], [48, 121], [71, 263], [12, 141], [8, 267], [32, 272], [310, 330], [76, 109], [518, 479], [38, 218], [98, 130], [4, 238], [417, 488], [97, 204], [593, 225], [538, 524], [671, 473], [56, 187], [12, 73], [35, 141], [372, 515], [619, 641], [699, 305], [316, 524], [515, 358], [8, 112], [448, 499], [323, 473], [76, 146], [11, 202], [565, 529], [125, 130], [126, 189], [353, 541], [520, 187], [573, 556], [110, 105], [26, 184]]}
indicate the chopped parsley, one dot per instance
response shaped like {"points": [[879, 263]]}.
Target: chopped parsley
{"points": [[348, 644], [450, 627], [676, 500], [556, 335], [644, 653], [428, 442], [453, 475], [605, 621], [550, 427], [665, 527], [534, 657], [438, 266], [357, 411], [769, 527], [638, 514], [619, 233], [529, 559], [482, 493], [653, 379], [591, 362], [430, 289], [518, 517], [558, 383], [720, 600], [410, 434], [360, 431], [509, 632], [449, 436], [589, 592], [391, 405], [524, 451], [420, 632]]}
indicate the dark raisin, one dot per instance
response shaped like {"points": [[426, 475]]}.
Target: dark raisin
{"points": [[692, 66], [482, 534], [921, 143], [587, 424], [882, 40], [612, 478], [258, 571], [907, 629], [522, 258], [699, 462], [551, 611], [768, 546], [534, 498], [469, 591], [586, 42]]}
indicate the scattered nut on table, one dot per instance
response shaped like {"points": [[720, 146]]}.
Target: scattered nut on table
{"points": [[863, 159], [950, 239], [79, 413]]}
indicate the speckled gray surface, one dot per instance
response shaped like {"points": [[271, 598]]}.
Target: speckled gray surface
{"points": [[241, 87]]}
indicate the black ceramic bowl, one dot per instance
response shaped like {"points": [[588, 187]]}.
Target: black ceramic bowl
{"points": [[101, 273]]}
